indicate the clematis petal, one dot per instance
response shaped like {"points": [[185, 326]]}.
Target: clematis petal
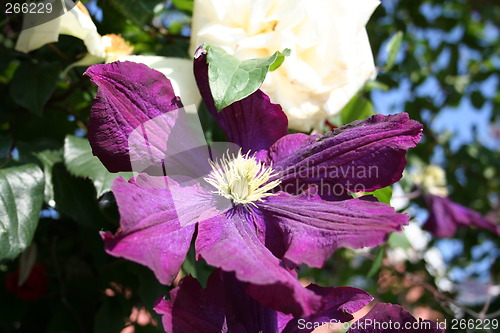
{"points": [[338, 306], [129, 95], [392, 318], [229, 241], [254, 123], [314, 228], [194, 309], [445, 216], [288, 145], [362, 156], [150, 232], [225, 306]]}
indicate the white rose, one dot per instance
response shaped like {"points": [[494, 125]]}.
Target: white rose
{"points": [[75, 22], [331, 57], [432, 178]]}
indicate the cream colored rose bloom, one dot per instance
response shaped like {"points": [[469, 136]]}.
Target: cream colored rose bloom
{"points": [[75, 22], [432, 179], [331, 57]]}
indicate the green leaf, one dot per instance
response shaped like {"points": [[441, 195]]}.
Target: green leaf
{"points": [[376, 264], [198, 269], [393, 49], [80, 162], [376, 85], [232, 79], [111, 315], [75, 197], [398, 240], [279, 60], [33, 84], [21, 193], [48, 159], [185, 5], [384, 194], [477, 99], [357, 108], [139, 12]]}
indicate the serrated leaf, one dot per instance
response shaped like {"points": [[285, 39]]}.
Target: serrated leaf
{"points": [[33, 84], [21, 194], [393, 49], [232, 79], [80, 162], [357, 108], [384, 194]]}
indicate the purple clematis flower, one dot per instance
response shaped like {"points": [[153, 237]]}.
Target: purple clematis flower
{"points": [[282, 203], [392, 318], [446, 216], [224, 307]]}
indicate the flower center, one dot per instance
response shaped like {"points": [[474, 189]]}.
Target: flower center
{"points": [[241, 178]]}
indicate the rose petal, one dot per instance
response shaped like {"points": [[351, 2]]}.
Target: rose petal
{"points": [[229, 241], [254, 123], [314, 228], [362, 156], [445, 216], [386, 318], [129, 95], [150, 231]]}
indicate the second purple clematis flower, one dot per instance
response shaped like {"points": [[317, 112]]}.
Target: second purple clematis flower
{"points": [[446, 216], [280, 201], [224, 307]]}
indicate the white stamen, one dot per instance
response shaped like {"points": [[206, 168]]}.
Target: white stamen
{"points": [[241, 178]]}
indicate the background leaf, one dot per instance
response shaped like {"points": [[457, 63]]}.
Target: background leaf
{"points": [[21, 193], [393, 49], [377, 263], [384, 194], [33, 84], [138, 11], [48, 159], [185, 5], [357, 108], [80, 162]]}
